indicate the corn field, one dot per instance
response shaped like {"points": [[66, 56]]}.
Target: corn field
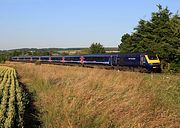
{"points": [[12, 105]]}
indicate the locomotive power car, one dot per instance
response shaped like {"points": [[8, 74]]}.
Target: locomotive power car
{"points": [[147, 61]]}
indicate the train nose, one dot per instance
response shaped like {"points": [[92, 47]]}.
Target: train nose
{"points": [[156, 67]]}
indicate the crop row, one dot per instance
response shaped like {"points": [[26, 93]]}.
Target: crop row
{"points": [[12, 105]]}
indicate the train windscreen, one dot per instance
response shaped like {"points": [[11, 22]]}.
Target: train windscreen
{"points": [[152, 57]]}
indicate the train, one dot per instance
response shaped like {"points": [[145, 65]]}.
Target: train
{"points": [[142, 61]]}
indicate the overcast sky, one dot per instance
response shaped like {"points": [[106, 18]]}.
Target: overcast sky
{"points": [[72, 23]]}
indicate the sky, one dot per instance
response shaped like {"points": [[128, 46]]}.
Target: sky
{"points": [[72, 23]]}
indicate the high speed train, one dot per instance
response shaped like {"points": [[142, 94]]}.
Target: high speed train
{"points": [[147, 61]]}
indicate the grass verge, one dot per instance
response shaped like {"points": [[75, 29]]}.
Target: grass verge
{"points": [[84, 98]]}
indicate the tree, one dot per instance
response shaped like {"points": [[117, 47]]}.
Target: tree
{"points": [[96, 48], [16, 53], [159, 35]]}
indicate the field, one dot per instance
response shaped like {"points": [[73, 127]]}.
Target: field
{"points": [[75, 97], [12, 105]]}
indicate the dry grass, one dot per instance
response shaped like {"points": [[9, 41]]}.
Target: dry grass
{"points": [[77, 97]]}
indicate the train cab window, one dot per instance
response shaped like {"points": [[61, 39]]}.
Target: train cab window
{"points": [[152, 57]]}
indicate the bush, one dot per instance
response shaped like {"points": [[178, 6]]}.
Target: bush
{"points": [[175, 67]]}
